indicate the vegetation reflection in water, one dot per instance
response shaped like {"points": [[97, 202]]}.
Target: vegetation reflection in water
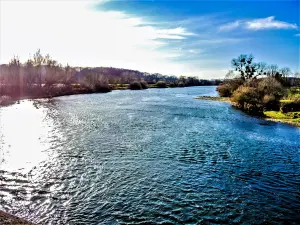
{"points": [[152, 156]]}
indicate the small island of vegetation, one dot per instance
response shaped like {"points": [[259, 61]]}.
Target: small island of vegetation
{"points": [[261, 90]]}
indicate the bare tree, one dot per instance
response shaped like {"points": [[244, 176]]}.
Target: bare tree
{"points": [[247, 68], [38, 61], [29, 74], [272, 70], [53, 69], [15, 79], [297, 77], [68, 76], [285, 72]]}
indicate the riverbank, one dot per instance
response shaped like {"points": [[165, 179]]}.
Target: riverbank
{"points": [[291, 118], [6, 100], [8, 219], [50, 92]]}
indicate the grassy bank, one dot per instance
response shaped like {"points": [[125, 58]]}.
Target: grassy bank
{"points": [[291, 118], [262, 90]]}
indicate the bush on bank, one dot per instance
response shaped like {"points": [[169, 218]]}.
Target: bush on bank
{"points": [[228, 87], [248, 99], [136, 85], [144, 84], [161, 84], [290, 106], [258, 87], [102, 88], [5, 100], [255, 96]]}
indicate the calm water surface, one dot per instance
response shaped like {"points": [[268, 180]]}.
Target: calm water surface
{"points": [[156, 156]]}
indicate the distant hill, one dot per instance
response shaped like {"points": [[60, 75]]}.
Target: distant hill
{"points": [[119, 75]]}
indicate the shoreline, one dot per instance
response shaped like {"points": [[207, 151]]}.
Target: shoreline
{"points": [[12, 100], [268, 118], [9, 219], [216, 99], [6, 100]]}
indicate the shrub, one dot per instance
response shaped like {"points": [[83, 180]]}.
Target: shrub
{"points": [[135, 85], [102, 88], [270, 102], [290, 106], [248, 99], [181, 84], [270, 91], [161, 84], [228, 87], [294, 92], [224, 90], [258, 94], [5, 100], [172, 85], [144, 84], [270, 86], [245, 94]]}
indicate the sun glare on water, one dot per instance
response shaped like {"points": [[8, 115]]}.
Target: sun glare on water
{"points": [[24, 133]]}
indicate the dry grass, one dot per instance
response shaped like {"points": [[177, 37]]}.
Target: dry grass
{"points": [[7, 219]]}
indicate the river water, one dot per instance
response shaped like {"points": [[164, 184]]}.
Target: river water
{"points": [[156, 156]]}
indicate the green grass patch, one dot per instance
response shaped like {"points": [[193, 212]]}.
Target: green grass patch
{"points": [[293, 93], [276, 115], [122, 85], [119, 86], [152, 86], [290, 117], [286, 100], [218, 99]]}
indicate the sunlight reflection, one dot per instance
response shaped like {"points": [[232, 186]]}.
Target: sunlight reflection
{"points": [[24, 133]]}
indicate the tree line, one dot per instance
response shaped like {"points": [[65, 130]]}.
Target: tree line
{"points": [[42, 75], [245, 68]]}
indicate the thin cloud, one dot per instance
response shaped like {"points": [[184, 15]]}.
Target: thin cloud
{"points": [[193, 51], [176, 33], [213, 41], [258, 24], [269, 23], [230, 26]]}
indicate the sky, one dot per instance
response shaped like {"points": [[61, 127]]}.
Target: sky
{"points": [[191, 38]]}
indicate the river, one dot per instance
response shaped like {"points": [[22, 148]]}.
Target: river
{"points": [[155, 156]]}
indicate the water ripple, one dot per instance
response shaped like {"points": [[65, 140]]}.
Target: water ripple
{"points": [[146, 157]]}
